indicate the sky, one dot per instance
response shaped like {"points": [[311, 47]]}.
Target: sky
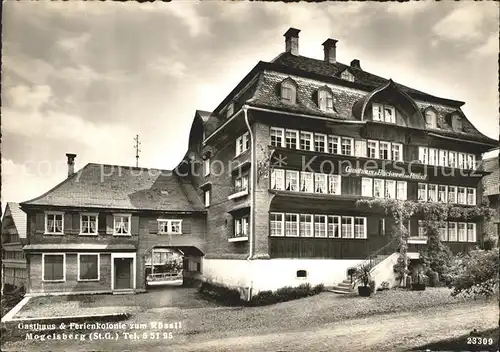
{"points": [[85, 78]]}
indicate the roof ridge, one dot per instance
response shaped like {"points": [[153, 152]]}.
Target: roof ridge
{"points": [[56, 186], [130, 167]]}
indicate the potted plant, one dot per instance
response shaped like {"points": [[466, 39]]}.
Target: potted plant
{"points": [[418, 283], [363, 275]]}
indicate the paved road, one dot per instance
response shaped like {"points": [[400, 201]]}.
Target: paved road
{"points": [[389, 332]]}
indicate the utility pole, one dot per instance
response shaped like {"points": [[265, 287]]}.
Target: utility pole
{"points": [[137, 150]]}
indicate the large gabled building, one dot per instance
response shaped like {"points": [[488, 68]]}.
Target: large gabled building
{"points": [[266, 195], [106, 228], [291, 149]]}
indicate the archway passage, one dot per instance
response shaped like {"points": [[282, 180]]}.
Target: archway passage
{"points": [[172, 266]]}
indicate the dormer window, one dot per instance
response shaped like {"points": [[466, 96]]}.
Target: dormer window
{"points": [[457, 123], [384, 113], [430, 119], [347, 76], [288, 92], [230, 110], [325, 100]]}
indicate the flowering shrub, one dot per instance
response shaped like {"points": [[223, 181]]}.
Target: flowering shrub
{"points": [[474, 273]]}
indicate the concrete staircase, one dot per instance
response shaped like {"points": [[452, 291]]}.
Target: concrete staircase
{"points": [[344, 287], [347, 286]]}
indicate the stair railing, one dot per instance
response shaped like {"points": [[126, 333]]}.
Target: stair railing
{"points": [[374, 259]]}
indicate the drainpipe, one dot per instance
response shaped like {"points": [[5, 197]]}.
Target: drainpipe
{"points": [[252, 192]]}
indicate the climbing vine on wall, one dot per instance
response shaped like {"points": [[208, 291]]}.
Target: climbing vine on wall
{"points": [[436, 255], [264, 165]]}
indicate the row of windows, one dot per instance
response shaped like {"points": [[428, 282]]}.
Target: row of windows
{"points": [[308, 182], [309, 225], [54, 267], [54, 224], [14, 273], [169, 227], [380, 188], [440, 157], [446, 194], [310, 141], [452, 231], [319, 142]]}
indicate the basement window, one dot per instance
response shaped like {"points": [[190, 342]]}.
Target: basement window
{"points": [[301, 274]]}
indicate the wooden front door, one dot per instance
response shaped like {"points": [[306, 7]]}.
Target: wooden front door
{"points": [[123, 273]]}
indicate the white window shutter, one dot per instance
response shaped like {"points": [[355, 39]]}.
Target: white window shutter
{"points": [[360, 148]]}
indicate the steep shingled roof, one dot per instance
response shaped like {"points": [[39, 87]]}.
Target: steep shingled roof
{"points": [[491, 182], [122, 187], [18, 217], [324, 68]]}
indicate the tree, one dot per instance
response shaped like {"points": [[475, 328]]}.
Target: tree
{"points": [[474, 273]]}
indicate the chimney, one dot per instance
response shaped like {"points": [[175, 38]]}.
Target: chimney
{"points": [[330, 49], [71, 163], [356, 64], [292, 41]]}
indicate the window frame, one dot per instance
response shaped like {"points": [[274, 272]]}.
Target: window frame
{"points": [[169, 226], [302, 180], [433, 123], [369, 181], [319, 179], [320, 138], [96, 233], [281, 136], [305, 135], [129, 216], [332, 220], [331, 183], [363, 233], [64, 267], [274, 173], [281, 222], [405, 184], [325, 218], [297, 138], [351, 145], [98, 267], [207, 195], [311, 225], [297, 183], [382, 190], [351, 218], [244, 141], [455, 228], [288, 85], [374, 148], [331, 144], [464, 235], [297, 224], [399, 148], [474, 233], [324, 97], [206, 167], [54, 213], [473, 196]]}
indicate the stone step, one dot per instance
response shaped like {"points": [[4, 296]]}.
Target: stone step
{"points": [[342, 289], [343, 284], [342, 292]]}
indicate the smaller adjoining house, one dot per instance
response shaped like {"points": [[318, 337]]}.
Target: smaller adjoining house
{"points": [[100, 228], [491, 185], [14, 271]]}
